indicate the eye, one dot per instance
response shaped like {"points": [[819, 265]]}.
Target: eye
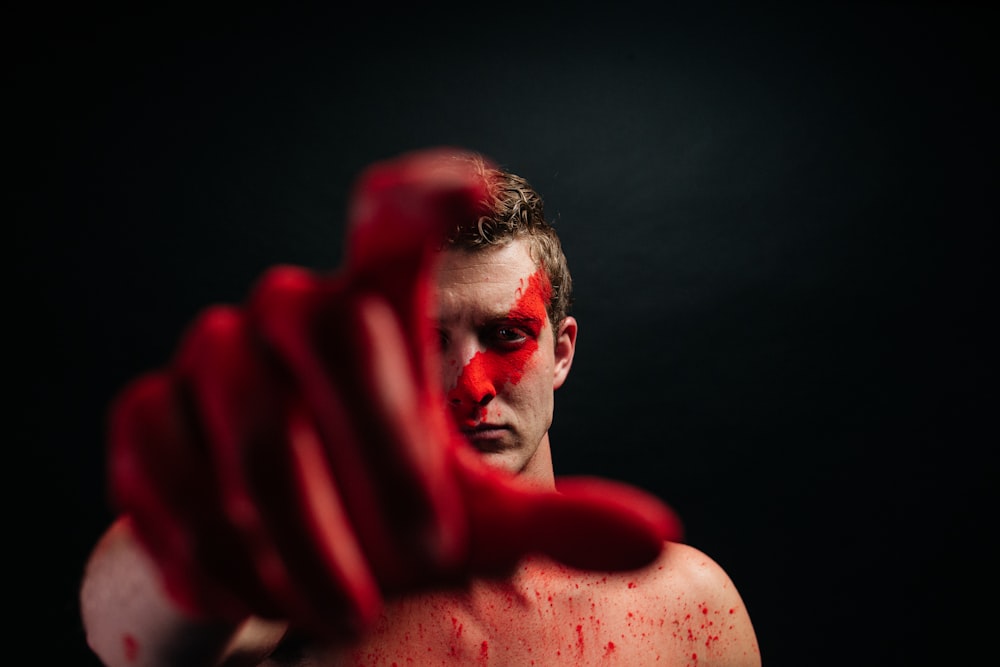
{"points": [[443, 339], [509, 337]]}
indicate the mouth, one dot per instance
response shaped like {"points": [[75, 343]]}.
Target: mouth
{"points": [[484, 436]]}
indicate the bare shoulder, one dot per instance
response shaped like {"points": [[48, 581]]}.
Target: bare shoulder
{"points": [[131, 621], [690, 570], [704, 612]]}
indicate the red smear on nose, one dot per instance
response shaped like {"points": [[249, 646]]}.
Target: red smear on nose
{"points": [[478, 372], [489, 370]]}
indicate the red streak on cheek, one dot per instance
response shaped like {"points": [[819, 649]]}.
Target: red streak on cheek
{"points": [[489, 371], [130, 646]]}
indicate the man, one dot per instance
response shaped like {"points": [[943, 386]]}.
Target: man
{"points": [[356, 469]]}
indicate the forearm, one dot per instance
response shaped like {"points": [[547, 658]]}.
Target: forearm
{"points": [[131, 622]]}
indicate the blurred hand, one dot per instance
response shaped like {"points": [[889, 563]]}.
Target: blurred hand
{"points": [[296, 460]]}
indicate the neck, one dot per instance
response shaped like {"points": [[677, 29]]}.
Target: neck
{"points": [[539, 472]]}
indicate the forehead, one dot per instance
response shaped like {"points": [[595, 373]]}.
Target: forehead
{"points": [[488, 280]]}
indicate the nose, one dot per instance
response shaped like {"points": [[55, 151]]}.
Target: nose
{"points": [[475, 386]]}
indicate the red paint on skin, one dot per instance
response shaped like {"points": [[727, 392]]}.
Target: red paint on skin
{"points": [[130, 646], [489, 370]]}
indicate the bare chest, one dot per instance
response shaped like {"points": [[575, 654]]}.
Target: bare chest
{"points": [[544, 619]]}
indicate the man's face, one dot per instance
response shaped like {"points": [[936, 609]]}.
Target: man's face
{"points": [[502, 361]]}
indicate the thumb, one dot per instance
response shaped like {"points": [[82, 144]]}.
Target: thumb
{"points": [[589, 523], [600, 524]]}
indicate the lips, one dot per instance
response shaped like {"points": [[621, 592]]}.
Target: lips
{"points": [[480, 429], [484, 435]]}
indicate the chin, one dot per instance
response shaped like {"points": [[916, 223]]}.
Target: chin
{"points": [[504, 461]]}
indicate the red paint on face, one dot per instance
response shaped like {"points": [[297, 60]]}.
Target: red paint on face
{"points": [[489, 370]]}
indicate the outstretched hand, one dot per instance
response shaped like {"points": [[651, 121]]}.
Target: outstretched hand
{"points": [[295, 459]]}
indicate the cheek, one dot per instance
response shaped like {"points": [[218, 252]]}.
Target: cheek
{"points": [[497, 370]]}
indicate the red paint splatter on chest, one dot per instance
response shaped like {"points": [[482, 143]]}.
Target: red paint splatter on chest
{"points": [[130, 646]]}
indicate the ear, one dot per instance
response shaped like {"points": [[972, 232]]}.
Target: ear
{"points": [[565, 348]]}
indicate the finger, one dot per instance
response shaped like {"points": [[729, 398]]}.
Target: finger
{"points": [[400, 212], [252, 424], [404, 205], [161, 476], [420, 502], [305, 511], [349, 361]]}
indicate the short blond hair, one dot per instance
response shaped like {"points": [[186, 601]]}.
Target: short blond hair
{"points": [[513, 209]]}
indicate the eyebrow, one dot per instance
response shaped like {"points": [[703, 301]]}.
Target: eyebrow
{"points": [[515, 317], [520, 318]]}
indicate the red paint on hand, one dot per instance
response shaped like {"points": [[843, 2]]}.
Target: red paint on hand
{"points": [[295, 458]]}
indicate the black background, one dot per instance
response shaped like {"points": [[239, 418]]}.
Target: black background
{"points": [[780, 222]]}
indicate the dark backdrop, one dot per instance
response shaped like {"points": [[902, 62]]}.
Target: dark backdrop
{"points": [[780, 223]]}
